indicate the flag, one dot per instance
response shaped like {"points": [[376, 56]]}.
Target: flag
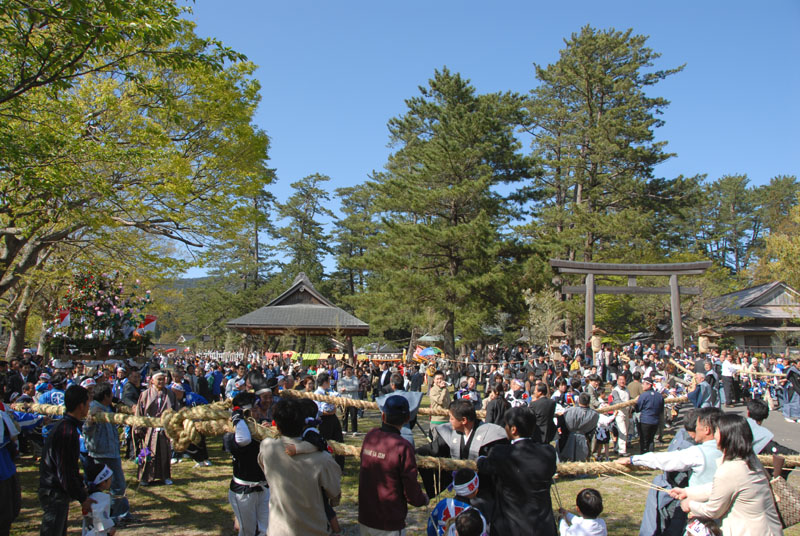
{"points": [[63, 318], [149, 324]]}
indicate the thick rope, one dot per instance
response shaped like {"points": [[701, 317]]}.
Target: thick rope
{"points": [[188, 425], [632, 402], [362, 404]]}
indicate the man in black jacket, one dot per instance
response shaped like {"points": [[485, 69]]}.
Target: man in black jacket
{"points": [[59, 472], [544, 410], [521, 474]]}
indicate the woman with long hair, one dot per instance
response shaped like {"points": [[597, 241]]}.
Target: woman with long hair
{"points": [[740, 496]]}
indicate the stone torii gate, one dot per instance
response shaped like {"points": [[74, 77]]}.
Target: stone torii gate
{"points": [[592, 269]]}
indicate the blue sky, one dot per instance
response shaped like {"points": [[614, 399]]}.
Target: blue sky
{"points": [[334, 73]]}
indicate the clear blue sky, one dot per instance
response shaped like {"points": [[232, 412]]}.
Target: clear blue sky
{"points": [[333, 73]]}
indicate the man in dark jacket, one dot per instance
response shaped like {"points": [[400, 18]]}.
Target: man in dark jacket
{"points": [[650, 406], [59, 472], [130, 397], [388, 476], [521, 474], [544, 410]]}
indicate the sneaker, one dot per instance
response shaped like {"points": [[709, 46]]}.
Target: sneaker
{"points": [[198, 464], [168, 482], [207, 463], [787, 419], [173, 461]]}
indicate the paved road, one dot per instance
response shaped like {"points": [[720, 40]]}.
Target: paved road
{"points": [[786, 433]]}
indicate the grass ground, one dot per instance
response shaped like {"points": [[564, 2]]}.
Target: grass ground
{"points": [[197, 503]]}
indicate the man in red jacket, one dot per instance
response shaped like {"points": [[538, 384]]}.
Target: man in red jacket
{"points": [[388, 476]]}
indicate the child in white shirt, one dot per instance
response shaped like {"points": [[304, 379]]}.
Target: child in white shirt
{"points": [[590, 506], [98, 522]]}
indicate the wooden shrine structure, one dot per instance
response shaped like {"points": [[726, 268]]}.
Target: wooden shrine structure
{"points": [[590, 289], [301, 310]]}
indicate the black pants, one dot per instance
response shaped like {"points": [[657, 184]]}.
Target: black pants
{"points": [[353, 414], [199, 451], [727, 385], [10, 501], [647, 435], [55, 509]]}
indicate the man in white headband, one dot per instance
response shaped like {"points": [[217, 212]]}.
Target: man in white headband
{"points": [[153, 403]]}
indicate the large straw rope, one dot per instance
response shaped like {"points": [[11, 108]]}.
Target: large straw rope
{"points": [[360, 404], [187, 425], [741, 372], [632, 402], [363, 404]]}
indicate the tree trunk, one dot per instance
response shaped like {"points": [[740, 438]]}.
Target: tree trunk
{"points": [[42, 337], [412, 344], [449, 334], [18, 321]]}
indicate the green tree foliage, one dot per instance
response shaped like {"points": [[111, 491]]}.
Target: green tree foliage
{"points": [[303, 238], [169, 155], [443, 244], [354, 233], [593, 120], [733, 218], [781, 257], [52, 44]]}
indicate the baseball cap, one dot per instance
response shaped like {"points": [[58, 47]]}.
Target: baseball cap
{"points": [[396, 405]]}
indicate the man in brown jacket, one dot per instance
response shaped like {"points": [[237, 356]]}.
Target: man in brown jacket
{"points": [[387, 481]]}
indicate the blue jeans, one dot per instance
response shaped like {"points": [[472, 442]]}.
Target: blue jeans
{"points": [[119, 503]]}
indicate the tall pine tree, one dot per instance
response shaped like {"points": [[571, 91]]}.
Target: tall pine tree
{"points": [[303, 238], [593, 125], [444, 224]]}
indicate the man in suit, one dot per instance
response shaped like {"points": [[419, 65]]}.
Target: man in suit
{"points": [[521, 474], [385, 378], [544, 410]]}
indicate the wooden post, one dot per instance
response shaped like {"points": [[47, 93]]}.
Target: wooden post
{"points": [[589, 322], [675, 307]]}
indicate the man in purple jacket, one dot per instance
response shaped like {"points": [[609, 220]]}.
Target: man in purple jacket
{"points": [[388, 476]]}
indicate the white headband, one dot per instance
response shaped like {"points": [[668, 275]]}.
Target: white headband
{"points": [[104, 475], [467, 488]]}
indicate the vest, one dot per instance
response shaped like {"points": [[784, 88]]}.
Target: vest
{"points": [[245, 464], [710, 456], [482, 434]]}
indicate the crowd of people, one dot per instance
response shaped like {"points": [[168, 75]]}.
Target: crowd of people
{"points": [[541, 408]]}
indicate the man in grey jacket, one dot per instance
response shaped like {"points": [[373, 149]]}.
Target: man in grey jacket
{"points": [[348, 388], [102, 444]]}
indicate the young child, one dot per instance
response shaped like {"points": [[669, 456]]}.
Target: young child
{"points": [[703, 527], [442, 519], [603, 434], [313, 440], [470, 522], [590, 506], [98, 522]]}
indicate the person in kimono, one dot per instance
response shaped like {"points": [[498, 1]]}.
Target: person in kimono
{"points": [[154, 456], [576, 423]]}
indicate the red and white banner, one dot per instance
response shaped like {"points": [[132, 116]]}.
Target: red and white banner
{"points": [[149, 323], [63, 318]]}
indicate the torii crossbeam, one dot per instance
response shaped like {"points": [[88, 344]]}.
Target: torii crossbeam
{"points": [[591, 269]]}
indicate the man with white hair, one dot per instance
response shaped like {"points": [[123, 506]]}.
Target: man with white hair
{"points": [[155, 444]]}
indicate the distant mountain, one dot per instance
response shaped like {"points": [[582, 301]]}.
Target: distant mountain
{"points": [[188, 282]]}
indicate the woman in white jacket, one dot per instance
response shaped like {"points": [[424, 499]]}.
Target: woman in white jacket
{"points": [[740, 497]]}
